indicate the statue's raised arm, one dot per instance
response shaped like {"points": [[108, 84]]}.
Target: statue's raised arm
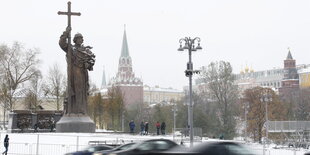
{"points": [[63, 41]]}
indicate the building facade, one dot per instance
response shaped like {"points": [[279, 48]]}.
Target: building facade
{"points": [[291, 76], [304, 78], [288, 78], [156, 95], [271, 78]]}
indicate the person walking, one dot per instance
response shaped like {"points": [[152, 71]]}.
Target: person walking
{"points": [[157, 127], [132, 126], [141, 128], [6, 144], [52, 125], [146, 128], [36, 127], [163, 128]]}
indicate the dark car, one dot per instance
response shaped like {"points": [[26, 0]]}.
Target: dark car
{"points": [[213, 148], [119, 148], [147, 147], [91, 149]]}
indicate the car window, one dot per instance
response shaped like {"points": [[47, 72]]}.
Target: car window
{"points": [[97, 148], [126, 146], [146, 146], [91, 149], [162, 145]]}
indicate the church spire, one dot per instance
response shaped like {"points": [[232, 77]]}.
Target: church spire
{"points": [[289, 55], [103, 83], [125, 50]]}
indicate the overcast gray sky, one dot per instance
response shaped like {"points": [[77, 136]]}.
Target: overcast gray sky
{"points": [[256, 33]]}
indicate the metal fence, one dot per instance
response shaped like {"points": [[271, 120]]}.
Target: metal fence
{"points": [[262, 150], [40, 144], [58, 149], [288, 126], [278, 152], [41, 149]]}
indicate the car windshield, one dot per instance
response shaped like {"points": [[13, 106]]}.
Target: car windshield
{"points": [[239, 149], [163, 145], [154, 145], [125, 146], [146, 146], [97, 148], [91, 149]]}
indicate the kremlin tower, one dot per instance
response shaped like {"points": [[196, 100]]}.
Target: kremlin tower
{"points": [[290, 81], [130, 86]]}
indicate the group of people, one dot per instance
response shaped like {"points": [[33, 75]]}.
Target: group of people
{"points": [[161, 127], [144, 127]]}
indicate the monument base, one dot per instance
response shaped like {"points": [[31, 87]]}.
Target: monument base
{"points": [[75, 123]]}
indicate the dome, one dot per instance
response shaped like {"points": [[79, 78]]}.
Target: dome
{"points": [[246, 69]]}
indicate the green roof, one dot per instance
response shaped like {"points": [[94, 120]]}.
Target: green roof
{"points": [[125, 50], [289, 56]]}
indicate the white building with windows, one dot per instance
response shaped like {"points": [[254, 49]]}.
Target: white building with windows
{"points": [[155, 95]]}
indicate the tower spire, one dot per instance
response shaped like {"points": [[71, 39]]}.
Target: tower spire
{"points": [[103, 83], [125, 50], [289, 55]]}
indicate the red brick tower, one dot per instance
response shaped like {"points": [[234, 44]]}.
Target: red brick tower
{"points": [[131, 86], [290, 82]]}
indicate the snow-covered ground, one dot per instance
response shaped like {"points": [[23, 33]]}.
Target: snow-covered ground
{"points": [[61, 143]]}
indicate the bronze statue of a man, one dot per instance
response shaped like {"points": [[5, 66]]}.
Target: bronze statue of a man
{"points": [[82, 61]]}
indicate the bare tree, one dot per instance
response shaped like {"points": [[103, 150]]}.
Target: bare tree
{"points": [[17, 66], [115, 107], [220, 83], [34, 93], [56, 84], [96, 109], [304, 105]]}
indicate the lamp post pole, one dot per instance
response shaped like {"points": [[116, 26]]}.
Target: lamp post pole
{"points": [[245, 118], [266, 98], [174, 110], [266, 108], [189, 44]]}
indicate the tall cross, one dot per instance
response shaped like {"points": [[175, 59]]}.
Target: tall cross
{"points": [[70, 88], [69, 14]]}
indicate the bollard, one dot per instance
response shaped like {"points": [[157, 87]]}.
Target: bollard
{"points": [[38, 141], [77, 143]]}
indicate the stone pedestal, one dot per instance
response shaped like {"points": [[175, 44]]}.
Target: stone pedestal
{"points": [[12, 122], [75, 123]]}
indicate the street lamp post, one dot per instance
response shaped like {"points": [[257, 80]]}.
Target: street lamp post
{"points": [[174, 122], [188, 108], [245, 119], [189, 44], [266, 98]]}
